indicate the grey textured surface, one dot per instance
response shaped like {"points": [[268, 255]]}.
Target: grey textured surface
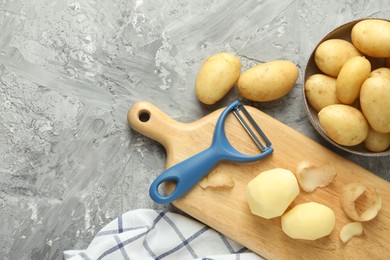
{"points": [[70, 70]]}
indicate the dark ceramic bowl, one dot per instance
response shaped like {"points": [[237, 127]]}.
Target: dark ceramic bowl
{"points": [[342, 32]]}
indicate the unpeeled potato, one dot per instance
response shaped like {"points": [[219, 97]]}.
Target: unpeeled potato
{"points": [[331, 55], [381, 72], [372, 37], [344, 124], [216, 77], [320, 91], [268, 81], [377, 142], [374, 101], [350, 79]]}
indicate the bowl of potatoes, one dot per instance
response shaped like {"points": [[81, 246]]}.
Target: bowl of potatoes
{"points": [[347, 87]]}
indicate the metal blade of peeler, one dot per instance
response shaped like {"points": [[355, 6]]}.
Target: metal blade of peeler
{"points": [[258, 142]]}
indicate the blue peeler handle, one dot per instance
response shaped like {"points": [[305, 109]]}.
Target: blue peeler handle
{"points": [[185, 174], [189, 172]]}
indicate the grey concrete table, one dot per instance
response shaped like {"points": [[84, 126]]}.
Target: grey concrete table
{"points": [[69, 72]]}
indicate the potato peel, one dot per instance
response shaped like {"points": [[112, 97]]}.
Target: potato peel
{"points": [[351, 230], [216, 180], [351, 192], [311, 177]]}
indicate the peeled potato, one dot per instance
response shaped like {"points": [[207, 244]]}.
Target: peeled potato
{"points": [[350, 79], [344, 124], [217, 76], [271, 192], [320, 91], [331, 55], [309, 221]]}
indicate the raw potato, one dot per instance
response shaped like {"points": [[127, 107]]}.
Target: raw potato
{"points": [[268, 81], [350, 79], [309, 221], [271, 192], [351, 230], [311, 177], [320, 91], [331, 55], [377, 142], [372, 37], [351, 193], [381, 72], [217, 76], [374, 101], [344, 124], [216, 179]]}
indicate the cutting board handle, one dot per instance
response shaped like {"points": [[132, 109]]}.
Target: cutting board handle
{"points": [[149, 120]]}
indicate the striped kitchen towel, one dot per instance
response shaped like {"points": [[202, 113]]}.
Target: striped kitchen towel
{"points": [[150, 234]]}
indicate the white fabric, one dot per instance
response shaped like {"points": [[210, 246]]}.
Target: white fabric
{"points": [[149, 234]]}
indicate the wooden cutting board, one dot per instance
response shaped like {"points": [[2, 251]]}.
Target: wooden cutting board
{"points": [[227, 210]]}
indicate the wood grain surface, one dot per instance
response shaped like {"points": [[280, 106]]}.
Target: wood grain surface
{"points": [[227, 210]]}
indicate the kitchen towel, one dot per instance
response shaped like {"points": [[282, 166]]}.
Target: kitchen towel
{"points": [[150, 234]]}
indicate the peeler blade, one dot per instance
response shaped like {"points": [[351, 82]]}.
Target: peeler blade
{"points": [[250, 125]]}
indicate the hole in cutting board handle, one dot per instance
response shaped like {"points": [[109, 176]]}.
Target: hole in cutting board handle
{"points": [[144, 116]]}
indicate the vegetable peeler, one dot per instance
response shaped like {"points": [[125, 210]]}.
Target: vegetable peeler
{"points": [[189, 172]]}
